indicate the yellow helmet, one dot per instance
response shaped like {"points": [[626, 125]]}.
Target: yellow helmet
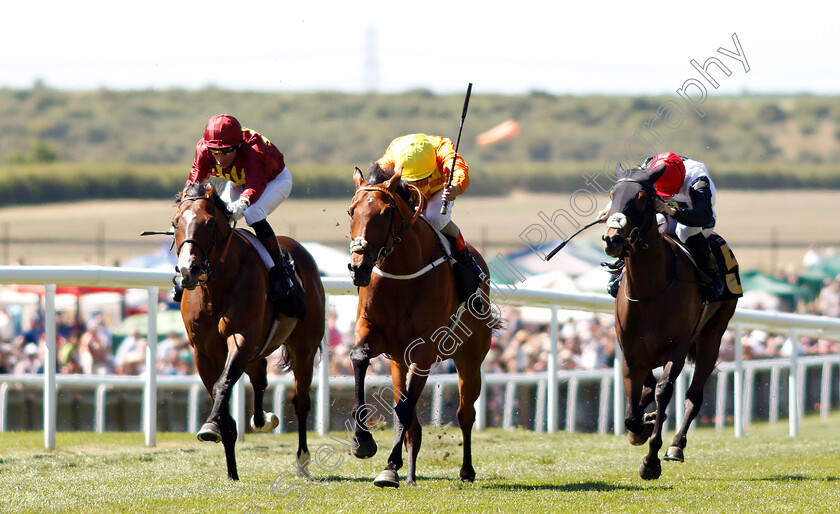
{"points": [[416, 156]]}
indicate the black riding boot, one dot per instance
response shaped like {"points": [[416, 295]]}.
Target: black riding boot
{"points": [[285, 291], [698, 245], [466, 258]]}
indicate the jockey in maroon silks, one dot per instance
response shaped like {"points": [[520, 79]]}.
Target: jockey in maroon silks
{"points": [[258, 181]]}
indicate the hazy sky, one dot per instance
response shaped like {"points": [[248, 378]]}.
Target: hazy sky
{"points": [[504, 47]]}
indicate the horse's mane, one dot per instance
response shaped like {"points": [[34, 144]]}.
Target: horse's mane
{"points": [[378, 175], [198, 189]]}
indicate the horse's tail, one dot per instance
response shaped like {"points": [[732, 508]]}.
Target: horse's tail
{"points": [[284, 362], [691, 356], [497, 322]]}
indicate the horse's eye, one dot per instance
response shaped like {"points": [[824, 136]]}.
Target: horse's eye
{"points": [[349, 213]]}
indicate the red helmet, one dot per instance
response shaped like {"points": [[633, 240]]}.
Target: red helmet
{"points": [[671, 181], [223, 130]]}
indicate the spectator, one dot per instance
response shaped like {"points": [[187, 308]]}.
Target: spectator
{"points": [[812, 257], [95, 350], [31, 362], [67, 354], [829, 298], [131, 354]]}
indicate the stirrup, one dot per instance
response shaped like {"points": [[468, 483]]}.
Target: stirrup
{"points": [[281, 281], [613, 267]]}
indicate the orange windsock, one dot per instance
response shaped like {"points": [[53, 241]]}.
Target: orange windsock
{"points": [[502, 131]]}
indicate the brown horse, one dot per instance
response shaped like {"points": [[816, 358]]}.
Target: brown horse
{"points": [[231, 324], [660, 318], [407, 304]]}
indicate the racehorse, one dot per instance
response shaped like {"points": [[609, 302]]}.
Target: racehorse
{"points": [[660, 318], [407, 307], [232, 325]]}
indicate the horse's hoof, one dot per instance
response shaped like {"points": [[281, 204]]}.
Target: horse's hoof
{"points": [[637, 439], [364, 449], [674, 453], [650, 417], [387, 478], [209, 433], [271, 422], [302, 466], [467, 475], [650, 472]]}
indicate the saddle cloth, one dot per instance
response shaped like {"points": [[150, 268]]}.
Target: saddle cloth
{"points": [[266, 258], [728, 266]]}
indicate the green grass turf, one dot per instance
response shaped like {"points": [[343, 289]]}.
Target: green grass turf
{"points": [[517, 471]]}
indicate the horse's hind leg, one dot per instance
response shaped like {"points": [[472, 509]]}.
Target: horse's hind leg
{"points": [[302, 366], [261, 421], [469, 387], [708, 346], [651, 467]]}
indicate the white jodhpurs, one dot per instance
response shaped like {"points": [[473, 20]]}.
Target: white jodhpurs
{"points": [[276, 192], [432, 212]]}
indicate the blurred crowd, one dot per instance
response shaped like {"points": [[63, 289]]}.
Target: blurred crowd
{"points": [[86, 346], [583, 341]]}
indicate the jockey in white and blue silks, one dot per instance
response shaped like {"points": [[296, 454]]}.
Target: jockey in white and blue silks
{"points": [[687, 196]]}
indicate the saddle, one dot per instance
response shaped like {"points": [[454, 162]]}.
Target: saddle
{"points": [[297, 296], [466, 283]]}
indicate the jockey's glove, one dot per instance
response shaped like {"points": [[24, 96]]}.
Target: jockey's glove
{"points": [[237, 209]]}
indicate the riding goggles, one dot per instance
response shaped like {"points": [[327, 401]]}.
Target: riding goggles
{"points": [[224, 151]]}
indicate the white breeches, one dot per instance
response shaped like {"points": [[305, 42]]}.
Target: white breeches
{"points": [[432, 212], [276, 192]]}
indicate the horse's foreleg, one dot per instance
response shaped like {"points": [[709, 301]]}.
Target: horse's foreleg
{"points": [[363, 444], [406, 417], [633, 422], [220, 424], [651, 467]]}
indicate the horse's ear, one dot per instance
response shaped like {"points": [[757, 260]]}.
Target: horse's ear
{"points": [[359, 178], [619, 170], [392, 182], [656, 173], [208, 191]]}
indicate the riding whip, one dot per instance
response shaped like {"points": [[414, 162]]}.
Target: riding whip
{"points": [[561, 245], [445, 207]]}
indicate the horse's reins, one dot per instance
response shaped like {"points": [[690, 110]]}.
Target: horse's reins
{"points": [[636, 234], [206, 266], [361, 244], [635, 239]]}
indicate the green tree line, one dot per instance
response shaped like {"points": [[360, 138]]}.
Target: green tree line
{"points": [[66, 145]]}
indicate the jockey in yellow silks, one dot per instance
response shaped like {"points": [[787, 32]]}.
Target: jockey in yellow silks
{"points": [[426, 162]]}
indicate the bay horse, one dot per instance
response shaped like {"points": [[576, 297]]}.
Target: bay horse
{"points": [[232, 325], [660, 317], [407, 304]]}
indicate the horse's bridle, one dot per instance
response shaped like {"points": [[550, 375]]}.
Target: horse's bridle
{"points": [[636, 235], [360, 244], [205, 267]]}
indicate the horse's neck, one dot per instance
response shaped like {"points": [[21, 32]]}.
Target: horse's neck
{"points": [[650, 269], [414, 251]]}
